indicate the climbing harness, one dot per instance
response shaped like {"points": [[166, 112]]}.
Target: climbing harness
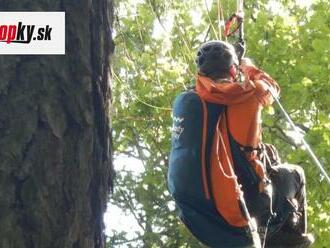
{"points": [[238, 17]]}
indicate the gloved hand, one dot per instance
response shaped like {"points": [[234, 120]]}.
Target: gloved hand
{"points": [[246, 62], [248, 68]]}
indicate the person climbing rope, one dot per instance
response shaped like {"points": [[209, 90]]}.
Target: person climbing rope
{"points": [[232, 190]]}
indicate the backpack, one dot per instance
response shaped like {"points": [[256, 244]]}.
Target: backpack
{"points": [[188, 172]]}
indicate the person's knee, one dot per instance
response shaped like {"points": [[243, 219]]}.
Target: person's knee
{"points": [[289, 180], [297, 171]]}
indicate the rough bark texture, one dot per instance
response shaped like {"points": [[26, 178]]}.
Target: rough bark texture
{"points": [[55, 150]]}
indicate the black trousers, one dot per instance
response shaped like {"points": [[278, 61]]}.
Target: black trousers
{"points": [[289, 183]]}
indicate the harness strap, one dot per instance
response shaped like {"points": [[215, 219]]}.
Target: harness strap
{"points": [[252, 154]]}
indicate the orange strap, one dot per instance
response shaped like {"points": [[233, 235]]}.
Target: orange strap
{"points": [[204, 173], [225, 187]]}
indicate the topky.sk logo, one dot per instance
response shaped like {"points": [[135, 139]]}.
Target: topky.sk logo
{"points": [[21, 33], [32, 33]]}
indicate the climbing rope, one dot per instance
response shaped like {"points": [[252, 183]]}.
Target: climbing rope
{"points": [[210, 19], [220, 18], [303, 141], [238, 17]]}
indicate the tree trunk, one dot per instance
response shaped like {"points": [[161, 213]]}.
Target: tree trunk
{"points": [[55, 147]]}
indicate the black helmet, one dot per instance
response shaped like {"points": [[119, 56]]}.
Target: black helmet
{"points": [[214, 59]]}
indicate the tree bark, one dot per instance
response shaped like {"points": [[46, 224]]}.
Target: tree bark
{"points": [[55, 146]]}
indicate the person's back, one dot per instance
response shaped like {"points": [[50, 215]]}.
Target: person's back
{"points": [[233, 147], [194, 123]]}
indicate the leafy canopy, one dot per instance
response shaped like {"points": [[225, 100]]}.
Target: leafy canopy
{"points": [[156, 42]]}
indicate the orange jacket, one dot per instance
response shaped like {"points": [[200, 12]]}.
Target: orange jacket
{"points": [[242, 120], [245, 102]]}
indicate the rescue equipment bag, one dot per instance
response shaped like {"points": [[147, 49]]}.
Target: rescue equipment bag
{"points": [[194, 122]]}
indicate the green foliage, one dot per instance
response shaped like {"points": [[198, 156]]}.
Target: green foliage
{"points": [[156, 43]]}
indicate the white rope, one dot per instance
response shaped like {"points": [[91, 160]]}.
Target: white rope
{"points": [[303, 141]]}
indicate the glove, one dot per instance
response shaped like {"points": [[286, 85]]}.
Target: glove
{"points": [[248, 68]]}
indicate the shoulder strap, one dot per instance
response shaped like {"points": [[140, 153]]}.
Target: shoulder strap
{"points": [[203, 149]]}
